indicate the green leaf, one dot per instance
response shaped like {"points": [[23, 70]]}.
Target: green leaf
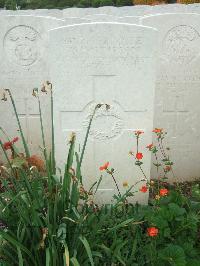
{"points": [[154, 150], [20, 259], [122, 224], [66, 254], [169, 163], [138, 163], [62, 231], [157, 164], [172, 254], [176, 210], [87, 248], [47, 257], [16, 243], [74, 261]]}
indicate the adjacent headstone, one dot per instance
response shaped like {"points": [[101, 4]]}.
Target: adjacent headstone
{"points": [[104, 63], [34, 12], [24, 66], [193, 8], [170, 8], [140, 10], [177, 106]]}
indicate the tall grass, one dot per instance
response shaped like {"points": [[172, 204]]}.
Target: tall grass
{"points": [[49, 219], [41, 223]]}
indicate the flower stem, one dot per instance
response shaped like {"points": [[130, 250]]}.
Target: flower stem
{"points": [[19, 125], [115, 182], [52, 135]]}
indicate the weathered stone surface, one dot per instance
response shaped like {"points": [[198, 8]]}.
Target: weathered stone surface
{"points": [[101, 18], [177, 106], [193, 8], [34, 12], [129, 19], [82, 12], [104, 63], [170, 8], [23, 66], [76, 20], [139, 10]]}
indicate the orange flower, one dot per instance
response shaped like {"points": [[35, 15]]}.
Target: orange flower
{"points": [[139, 155], [104, 167], [144, 189], [8, 145], [138, 132], [150, 146], [158, 130], [163, 192], [152, 231]]}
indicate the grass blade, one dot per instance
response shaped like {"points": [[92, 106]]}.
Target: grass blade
{"points": [[87, 248], [20, 259], [47, 257], [74, 261]]}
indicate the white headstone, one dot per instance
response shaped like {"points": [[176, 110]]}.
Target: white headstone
{"points": [[76, 20], [129, 19], [34, 12], [101, 18], [82, 12], [24, 66], [109, 10], [170, 8], [104, 63], [177, 106], [139, 10], [193, 8]]}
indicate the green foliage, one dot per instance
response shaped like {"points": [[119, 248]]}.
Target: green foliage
{"points": [[124, 3], [106, 3], [2, 3], [11, 4], [84, 3], [51, 4], [50, 219], [172, 255], [95, 3]]}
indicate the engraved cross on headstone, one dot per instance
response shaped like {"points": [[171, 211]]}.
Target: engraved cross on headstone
{"points": [[108, 123], [176, 107]]}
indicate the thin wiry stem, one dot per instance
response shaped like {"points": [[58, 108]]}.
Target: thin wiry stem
{"points": [[19, 124], [52, 133]]}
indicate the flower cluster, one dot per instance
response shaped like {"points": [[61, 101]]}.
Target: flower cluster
{"points": [[9, 144]]}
